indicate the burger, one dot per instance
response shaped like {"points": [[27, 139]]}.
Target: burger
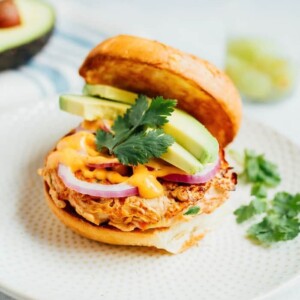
{"points": [[146, 166]]}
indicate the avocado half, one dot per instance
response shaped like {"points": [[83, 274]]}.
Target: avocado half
{"points": [[19, 43]]}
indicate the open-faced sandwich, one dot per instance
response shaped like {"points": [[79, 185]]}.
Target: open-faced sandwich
{"points": [[142, 168]]}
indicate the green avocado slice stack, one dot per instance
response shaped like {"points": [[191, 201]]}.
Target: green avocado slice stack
{"points": [[194, 146]]}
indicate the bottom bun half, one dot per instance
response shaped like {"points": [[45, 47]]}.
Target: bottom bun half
{"points": [[174, 239]]}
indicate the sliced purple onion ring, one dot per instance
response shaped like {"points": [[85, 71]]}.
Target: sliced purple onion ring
{"points": [[119, 190], [201, 177]]}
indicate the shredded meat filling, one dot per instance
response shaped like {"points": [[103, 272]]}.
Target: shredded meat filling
{"points": [[135, 212]]}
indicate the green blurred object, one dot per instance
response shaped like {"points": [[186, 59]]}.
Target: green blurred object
{"points": [[259, 70]]}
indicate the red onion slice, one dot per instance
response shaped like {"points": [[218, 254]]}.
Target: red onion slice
{"points": [[201, 177], [95, 189], [104, 165]]}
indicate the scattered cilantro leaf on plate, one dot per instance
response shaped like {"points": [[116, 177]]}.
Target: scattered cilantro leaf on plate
{"points": [[280, 216], [245, 212], [259, 170], [274, 228], [259, 190], [286, 204]]}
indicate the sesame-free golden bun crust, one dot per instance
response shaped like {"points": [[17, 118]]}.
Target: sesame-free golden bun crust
{"points": [[175, 239], [172, 241], [154, 69]]}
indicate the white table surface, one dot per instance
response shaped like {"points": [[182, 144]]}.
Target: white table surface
{"points": [[199, 27]]}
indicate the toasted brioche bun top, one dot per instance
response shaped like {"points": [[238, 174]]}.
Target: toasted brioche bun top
{"points": [[154, 69]]}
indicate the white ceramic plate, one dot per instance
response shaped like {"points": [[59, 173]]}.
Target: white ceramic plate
{"points": [[41, 259]]}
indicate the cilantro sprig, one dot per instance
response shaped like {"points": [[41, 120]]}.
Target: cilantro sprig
{"points": [[274, 228], [137, 136], [280, 215], [194, 210], [260, 170], [245, 212]]}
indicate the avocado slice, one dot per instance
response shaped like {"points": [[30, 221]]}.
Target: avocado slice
{"points": [[91, 108], [187, 131], [19, 43], [193, 136], [108, 92], [182, 159]]}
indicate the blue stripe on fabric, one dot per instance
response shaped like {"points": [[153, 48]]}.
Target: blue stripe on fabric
{"points": [[69, 61], [98, 34], [75, 39], [68, 50], [89, 29], [56, 77]]}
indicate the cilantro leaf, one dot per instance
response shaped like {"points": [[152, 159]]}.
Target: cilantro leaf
{"points": [[260, 170], [251, 166], [280, 222], [138, 148], [245, 212], [127, 124], [121, 124], [158, 112], [274, 228], [281, 215], [259, 190], [135, 133], [192, 211], [286, 204], [260, 205], [137, 111], [104, 140]]}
